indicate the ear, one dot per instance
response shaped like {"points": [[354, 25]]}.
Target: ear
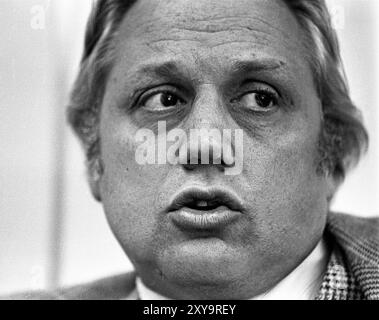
{"points": [[95, 174], [95, 188], [333, 182]]}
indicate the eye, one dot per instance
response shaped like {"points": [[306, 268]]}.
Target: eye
{"points": [[260, 100], [162, 100]]}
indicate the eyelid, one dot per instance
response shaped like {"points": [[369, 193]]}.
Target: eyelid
{"points": [[262, 90], [263, 86], [150, 92], [260, 87]]}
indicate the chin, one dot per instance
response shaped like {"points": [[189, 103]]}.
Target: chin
{"points": [[208, 262]]}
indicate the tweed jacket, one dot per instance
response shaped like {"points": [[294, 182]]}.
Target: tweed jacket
{"points": [[357, 238]]}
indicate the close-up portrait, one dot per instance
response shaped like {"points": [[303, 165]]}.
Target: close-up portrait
{"points": [[189, 150]]}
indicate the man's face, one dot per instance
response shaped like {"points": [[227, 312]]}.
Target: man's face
{"points": [[214, 64]]}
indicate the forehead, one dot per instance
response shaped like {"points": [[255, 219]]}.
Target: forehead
{"points": [[209, 33]]}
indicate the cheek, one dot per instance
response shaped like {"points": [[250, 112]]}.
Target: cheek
{"points": [[289, 195], [129, 190]]}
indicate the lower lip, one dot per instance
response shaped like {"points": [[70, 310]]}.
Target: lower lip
{"points": [[204, 220]]}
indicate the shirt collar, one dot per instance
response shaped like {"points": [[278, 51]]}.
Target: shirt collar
{"points": [[303, 283]]}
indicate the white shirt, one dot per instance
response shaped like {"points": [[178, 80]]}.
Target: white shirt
{"points": [[303, 283]]}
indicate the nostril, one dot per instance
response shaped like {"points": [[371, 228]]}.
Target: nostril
{"points": [[190, 167], [191, 163], [205, 154]]}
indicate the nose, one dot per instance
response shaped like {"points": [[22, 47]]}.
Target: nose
{"points": [[209, 137], [206, 148]]}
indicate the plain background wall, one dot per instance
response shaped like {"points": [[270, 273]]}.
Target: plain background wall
{"points": [[51, 231]]}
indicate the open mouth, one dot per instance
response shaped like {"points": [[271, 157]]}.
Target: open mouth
{"points": [[205, 200], [204, 209], [204, 205]]}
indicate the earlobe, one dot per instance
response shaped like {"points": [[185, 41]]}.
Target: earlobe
{"points": [[95, 188], [94, 176], [333, 183]]}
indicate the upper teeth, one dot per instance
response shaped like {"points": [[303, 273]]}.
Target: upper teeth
{"points": [[202, 204]]}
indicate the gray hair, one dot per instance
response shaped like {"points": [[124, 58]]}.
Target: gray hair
{"points": [[343, 138]]}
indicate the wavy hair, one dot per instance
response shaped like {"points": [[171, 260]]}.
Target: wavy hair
{"points": [[343, 137]]}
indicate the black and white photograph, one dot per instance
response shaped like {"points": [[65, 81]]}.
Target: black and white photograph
{"points": [[216, 150]]}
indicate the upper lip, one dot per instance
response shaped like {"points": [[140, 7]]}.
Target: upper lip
{"points": [[214, 198]]}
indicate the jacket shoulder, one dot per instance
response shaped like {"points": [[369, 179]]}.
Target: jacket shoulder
{"points": [[358, 236], [359, 240], [111, 288]]}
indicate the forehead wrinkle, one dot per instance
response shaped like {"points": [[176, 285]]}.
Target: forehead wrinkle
{"points": [[211, 37], [165, 17], [253, 41], [260, 36], [198, 32], [227, 24], [210, 52], [163, 26], [156, 35]]}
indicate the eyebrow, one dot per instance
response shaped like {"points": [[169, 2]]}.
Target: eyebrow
{"points": [[248, 66], [163, 70], [174, 68]]}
